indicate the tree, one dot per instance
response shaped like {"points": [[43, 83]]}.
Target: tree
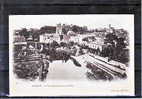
{"points": [[75, 28], [78, 29], [64, 31], [35, 34], [24, 32], [116, 46], [110, 38]]}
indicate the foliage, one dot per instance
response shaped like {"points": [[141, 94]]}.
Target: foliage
{"points": [[116, 46], [24, 32]]}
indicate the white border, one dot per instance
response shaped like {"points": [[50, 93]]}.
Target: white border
{"points": [[79, 90]]}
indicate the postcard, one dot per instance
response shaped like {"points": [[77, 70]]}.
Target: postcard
{"points": [[71, 55]]}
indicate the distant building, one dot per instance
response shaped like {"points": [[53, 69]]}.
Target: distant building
{"points": [[97, 44], [30, 38], [48, 38], [48, 29], [18, 38]]}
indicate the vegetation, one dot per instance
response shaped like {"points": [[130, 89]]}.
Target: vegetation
{"points": [[116, 48]]}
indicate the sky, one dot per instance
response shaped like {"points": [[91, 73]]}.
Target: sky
{"points": [[92, 21]]}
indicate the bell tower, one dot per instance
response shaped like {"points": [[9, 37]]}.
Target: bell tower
{"points": [[59, 29]]}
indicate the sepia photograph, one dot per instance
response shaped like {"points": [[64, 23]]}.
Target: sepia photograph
{"points": [[71, 55]]}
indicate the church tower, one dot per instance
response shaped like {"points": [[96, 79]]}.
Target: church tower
{"points": [[59, 29]]}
